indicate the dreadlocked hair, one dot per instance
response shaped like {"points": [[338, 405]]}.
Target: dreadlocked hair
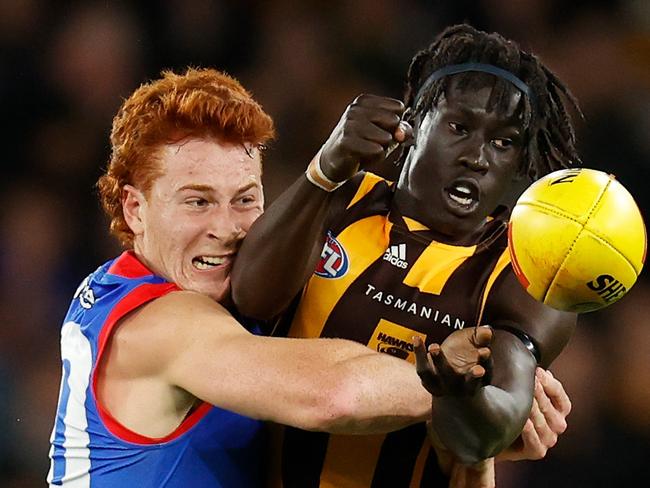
{"points": [[550, 134]]}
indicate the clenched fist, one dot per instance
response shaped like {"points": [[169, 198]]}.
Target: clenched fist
{"points": [[368, 128]]}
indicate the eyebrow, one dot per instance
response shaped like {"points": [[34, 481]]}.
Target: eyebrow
{"points": [[510, 122], [208, 188], [247, 187], [196, 187], [463, 110]]}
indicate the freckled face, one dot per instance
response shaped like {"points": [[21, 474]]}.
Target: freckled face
{"points": [[464, 161], [198, 211]]}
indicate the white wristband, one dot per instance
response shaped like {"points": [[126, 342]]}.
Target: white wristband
{"points": [[315, 175]]}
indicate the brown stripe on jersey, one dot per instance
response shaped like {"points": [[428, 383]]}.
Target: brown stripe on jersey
{"points": [[433, 476], [302, 458], [398, 456], [375, 202], [368, 181]]}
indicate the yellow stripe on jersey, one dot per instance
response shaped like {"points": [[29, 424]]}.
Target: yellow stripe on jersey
{"points": [[436, 264], [504, 260], [341, 470], [413, 225], [364, 243], [368, 182]]}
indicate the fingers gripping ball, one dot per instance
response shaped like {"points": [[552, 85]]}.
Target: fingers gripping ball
{"points": [[577, 240]]}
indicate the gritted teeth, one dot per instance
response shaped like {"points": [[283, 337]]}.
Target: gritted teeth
{"points": [[207, 262]]}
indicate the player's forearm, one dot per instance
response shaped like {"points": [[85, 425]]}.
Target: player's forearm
{"points": [[280, 251], [331, 385], [480, 426], [377, 393]]}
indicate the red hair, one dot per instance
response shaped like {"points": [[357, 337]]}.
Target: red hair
{"points": [[198, 103]]}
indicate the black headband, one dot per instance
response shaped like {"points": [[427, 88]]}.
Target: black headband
{"points": [[453, 69]]}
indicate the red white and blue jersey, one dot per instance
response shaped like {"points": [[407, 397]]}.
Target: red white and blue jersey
{"points": [[89, 448]]}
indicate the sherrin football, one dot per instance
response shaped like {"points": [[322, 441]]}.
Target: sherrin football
{"points": [[577, 240]]}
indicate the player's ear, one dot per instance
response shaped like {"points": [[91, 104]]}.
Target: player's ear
{"points": [[133, 206]]}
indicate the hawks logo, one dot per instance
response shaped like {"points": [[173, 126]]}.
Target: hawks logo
{"points": [[334, 261], [395, 339]]}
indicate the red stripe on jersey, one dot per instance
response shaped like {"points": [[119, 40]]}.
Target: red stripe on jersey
{"points": [[513, 259], [128, 266], [139, 296], [124, 433]]}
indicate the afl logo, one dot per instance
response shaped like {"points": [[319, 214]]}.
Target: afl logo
{"points": [[334, 261]]}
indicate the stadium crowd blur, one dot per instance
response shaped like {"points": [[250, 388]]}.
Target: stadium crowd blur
{"points": [[65, 66]]}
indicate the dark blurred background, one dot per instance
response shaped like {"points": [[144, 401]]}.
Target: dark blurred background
{"points": [[66, 66]]}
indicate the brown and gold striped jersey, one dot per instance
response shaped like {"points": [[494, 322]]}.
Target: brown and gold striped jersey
{"points": [[381, 280]]}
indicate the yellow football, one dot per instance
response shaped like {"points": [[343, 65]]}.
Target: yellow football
{"points": [[577, 240]]}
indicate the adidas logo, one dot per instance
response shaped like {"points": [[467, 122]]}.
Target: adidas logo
{"points": [[396, 255]]}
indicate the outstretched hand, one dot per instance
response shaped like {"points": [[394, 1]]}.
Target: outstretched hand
{"points": [[458, 366], [369, 127]]}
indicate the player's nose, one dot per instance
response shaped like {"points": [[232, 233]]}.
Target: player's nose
{"points": [[475, 158], [226, 226]]}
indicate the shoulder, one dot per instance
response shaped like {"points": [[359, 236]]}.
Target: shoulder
{"points": [[175, 312], [357, 189], [153, 335], [364, 183], [181, 303], [509, 304]]}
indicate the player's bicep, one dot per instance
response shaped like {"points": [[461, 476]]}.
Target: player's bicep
{"points": [[203, 344], [220, 362], [509, 305]]}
